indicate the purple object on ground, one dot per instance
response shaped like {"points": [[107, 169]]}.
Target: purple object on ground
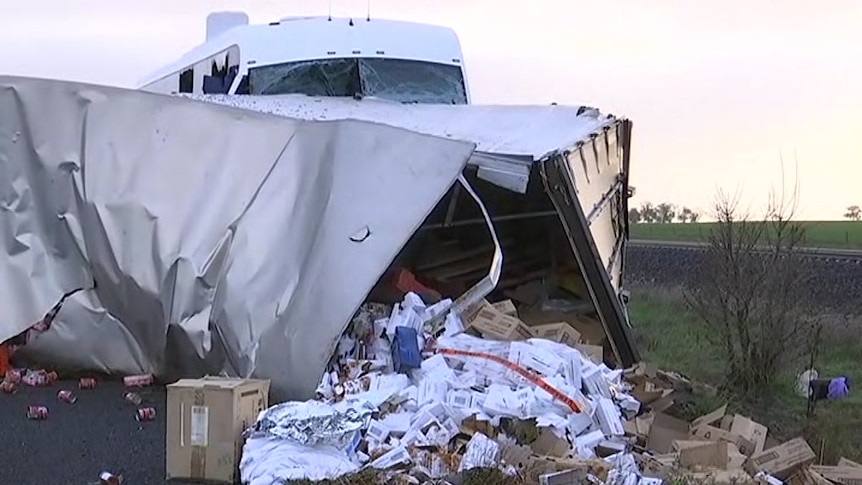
{"points": [[839, 388]]}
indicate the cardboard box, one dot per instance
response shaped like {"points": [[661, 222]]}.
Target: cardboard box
{"points": [[595, 353], [549, 444], [845, 475], [711, 433], [807, 477], [506, 307], [493, 324], [703, 454], [845, 462], [748, 436], [782, 460], [750, 430], [205, 421], [592, 331], [560, 332], [709, 418], [664, 431]]}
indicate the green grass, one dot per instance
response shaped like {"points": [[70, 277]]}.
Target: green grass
{"points": [[673, 338], [821, 234]]}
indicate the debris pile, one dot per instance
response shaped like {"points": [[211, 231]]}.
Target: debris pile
{"points": [[402, 398], [485, 391]]}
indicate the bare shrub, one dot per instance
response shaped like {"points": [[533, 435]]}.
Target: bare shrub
{"points": [[751, 290]]}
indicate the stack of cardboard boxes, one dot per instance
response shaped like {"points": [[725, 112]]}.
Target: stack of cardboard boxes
{"points": [[500, 321]]}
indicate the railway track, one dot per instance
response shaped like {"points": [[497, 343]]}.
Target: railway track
{"points": [[827, 254]]}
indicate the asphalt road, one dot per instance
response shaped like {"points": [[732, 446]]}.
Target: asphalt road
{"points": [[79, 441]]}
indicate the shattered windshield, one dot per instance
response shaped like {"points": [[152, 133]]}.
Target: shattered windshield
{"points": [[393, 79]]}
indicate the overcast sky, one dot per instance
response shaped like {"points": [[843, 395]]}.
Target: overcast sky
{"points": [[718, 90]]}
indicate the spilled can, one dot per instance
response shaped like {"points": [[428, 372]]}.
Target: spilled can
{"points": [[9, 387], [37, 412], [138, 380], [145, 414], [87, 383], [37, 378], [13, 375], [108, 478], [133, 398], [67, 397]]}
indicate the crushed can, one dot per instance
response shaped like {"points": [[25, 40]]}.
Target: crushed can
{"points": [[86, 383], [52, 377], [145, 414], [133, 398], [13, 375], [9, 387], [108, 478], [37, 412], [67, 397], [35, 378], [140, 380]]}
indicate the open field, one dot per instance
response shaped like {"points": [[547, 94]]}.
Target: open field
{"points": [[673, 338], [821, 234]]}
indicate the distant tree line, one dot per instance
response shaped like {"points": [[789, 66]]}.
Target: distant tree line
{"points": [[664, 213], [854, 213]]}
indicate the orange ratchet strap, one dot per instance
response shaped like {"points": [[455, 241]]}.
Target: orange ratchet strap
{"points": [[525, 373]]}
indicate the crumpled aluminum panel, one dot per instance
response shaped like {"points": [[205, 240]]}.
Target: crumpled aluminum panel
{"points": [[222, 240]]}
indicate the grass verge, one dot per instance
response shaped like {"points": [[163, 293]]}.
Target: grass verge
{"points": [[821, 234], [674, 339]]}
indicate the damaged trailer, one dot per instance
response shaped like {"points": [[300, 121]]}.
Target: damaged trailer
{"points": [[568, 166], [230, 241]]}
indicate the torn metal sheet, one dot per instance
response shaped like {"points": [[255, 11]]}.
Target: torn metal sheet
{"points": [[222, 240], [487, 284], [509, 139]]}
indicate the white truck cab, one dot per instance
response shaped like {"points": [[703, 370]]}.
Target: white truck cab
{"points": [[321, 56]]}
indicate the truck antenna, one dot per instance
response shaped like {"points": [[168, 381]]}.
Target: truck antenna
{"points": [[368, 15], [330, 11]]}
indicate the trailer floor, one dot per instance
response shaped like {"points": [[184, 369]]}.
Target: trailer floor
{"points": [[79, 441]]}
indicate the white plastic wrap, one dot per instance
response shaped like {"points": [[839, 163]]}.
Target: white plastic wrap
{"points": [[270, 460], [304, 440]]}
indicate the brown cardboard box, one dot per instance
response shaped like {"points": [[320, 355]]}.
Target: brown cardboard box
{"points": [[750, 430], [747, 435], [845, 475], [711, 433], [709, 418], [593, 352], [560, 332], [548, 444], [703, 454], [639, 426], [664, 431], [506, 307], [592, 332], [806, 476], [493, 324], [782, 460], [845, 462], [205, 421]]}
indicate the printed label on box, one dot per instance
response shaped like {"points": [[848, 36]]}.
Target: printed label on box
{"points": [[200, 424]]}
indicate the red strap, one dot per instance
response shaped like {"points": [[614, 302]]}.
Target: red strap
{"points": [[525, 373]]}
